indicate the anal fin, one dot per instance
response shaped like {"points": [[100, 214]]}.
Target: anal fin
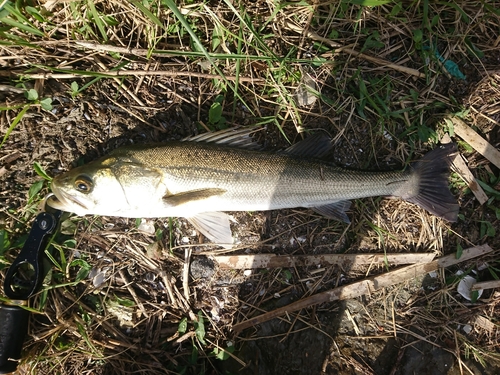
{"points": [[336, 210], [214, 226]]}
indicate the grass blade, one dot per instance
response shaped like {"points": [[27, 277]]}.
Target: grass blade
{"points": [[97, 20], [12, 126]]}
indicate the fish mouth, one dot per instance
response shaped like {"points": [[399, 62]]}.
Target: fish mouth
{"points": [[62, 201]]}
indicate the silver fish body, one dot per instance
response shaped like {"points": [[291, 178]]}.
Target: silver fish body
{"points": [[198, 179]]}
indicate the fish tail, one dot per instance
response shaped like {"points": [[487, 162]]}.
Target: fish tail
{"points": [[430, 176]]}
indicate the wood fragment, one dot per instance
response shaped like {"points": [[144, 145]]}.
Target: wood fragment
{"points": [[466, 175], [277, 261], [480, 144], [366, 286], [486, 285]]}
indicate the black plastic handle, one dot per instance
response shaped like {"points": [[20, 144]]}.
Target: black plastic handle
{"points": [[13, 329], [26, 273]]}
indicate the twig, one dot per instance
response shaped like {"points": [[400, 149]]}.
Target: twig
{"points": [[133, 293], [486, 285], [276, 261], [165, 276], [466, 175], [366, 286], [480, 144], [135, 73], [185, 273]]}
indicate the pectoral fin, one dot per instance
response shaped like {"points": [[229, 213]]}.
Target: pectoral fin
{"points": [[192, 195], [215, 226], [336, 210]]}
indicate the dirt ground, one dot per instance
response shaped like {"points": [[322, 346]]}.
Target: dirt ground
{"points": [[417, 327]]}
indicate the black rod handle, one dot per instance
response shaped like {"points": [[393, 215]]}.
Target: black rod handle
{"points": [[13, 328]]}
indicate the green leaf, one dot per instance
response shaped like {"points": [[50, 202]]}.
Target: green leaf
{"points": [[287, 274], [493, 273], [84, 270], [223, 354], [200, 328], [417, 36], [41, 172], [124, 301], [35, 13], [396, 9], [4, 242], [435, 20], [487, 229], [71, 243], [474, 295], [459, 252], [194, 355], [35, 189], [46, 104], [215, 113], [182, 326], [74, 87], [32, 95]]}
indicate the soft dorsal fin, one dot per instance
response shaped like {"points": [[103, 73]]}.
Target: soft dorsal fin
{"points": [[234, 137], [314, 146]]}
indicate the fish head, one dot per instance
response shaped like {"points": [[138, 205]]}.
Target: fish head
{"points": [[89, 189]]}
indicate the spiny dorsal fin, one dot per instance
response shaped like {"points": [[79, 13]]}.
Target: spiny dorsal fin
{"points": [[234, 137]]}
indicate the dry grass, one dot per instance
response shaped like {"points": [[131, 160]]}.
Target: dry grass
{"points": [[128, 70]]}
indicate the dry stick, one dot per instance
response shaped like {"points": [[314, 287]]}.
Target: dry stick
{"points": [[133, 294], [185, 273], [136, 73], [486, 285], [480, 144], [350, 51], [366, 286], [466, 175], [276, 261], [122, 50]]}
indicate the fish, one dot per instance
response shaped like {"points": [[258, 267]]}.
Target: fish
{"points": [[201, 177]]}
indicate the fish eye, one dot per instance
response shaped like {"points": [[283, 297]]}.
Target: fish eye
{"points": [[84, 184]]}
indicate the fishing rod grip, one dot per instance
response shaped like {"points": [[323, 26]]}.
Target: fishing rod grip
{"points": [[13, 328]]}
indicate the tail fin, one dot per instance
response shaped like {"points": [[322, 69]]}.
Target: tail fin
{"points": [[431, 175]]}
